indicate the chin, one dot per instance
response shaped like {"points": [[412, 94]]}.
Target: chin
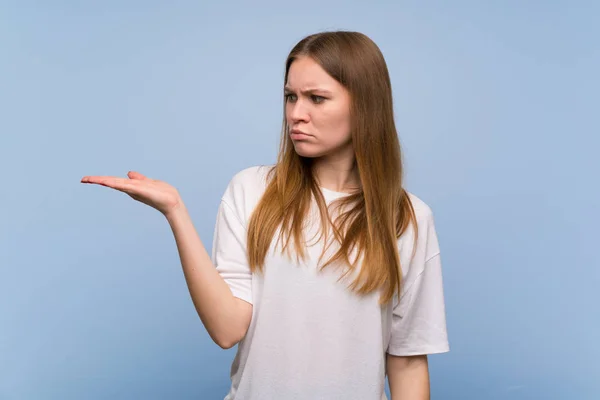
{"points": [[308, 153]]}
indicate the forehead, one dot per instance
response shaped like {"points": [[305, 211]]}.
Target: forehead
{"points": [[307, 73]]}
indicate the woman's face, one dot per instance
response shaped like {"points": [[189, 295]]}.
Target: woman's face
{"points": [[319, 106]]}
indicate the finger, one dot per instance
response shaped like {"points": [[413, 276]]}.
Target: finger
{"points": [[122, 184], [98, 178], [137, 175], [95, 178]]}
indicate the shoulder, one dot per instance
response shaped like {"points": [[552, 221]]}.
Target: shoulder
{"points": [[250, 178], [426, 236], [423, 211], [245, 188]]}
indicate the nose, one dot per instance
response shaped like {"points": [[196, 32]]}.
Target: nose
{"points": [[297, 112]]}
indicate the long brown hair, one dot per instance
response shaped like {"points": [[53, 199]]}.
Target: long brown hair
{"points": [[380, 210]]}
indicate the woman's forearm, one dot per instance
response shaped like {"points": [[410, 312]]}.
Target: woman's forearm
{"points": [[225, 317]]}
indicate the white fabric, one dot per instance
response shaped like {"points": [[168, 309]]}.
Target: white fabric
{"points": [[310, 337]]}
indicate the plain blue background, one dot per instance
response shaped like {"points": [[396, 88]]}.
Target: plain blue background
{"points": [[497, 109]]}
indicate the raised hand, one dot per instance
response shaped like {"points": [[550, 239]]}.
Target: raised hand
{"points": [[157, 194]]}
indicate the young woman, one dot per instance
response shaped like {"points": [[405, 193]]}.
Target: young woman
{"points": [[324, 270]]}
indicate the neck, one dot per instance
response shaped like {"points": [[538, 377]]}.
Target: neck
{"points": [[339, 175]]}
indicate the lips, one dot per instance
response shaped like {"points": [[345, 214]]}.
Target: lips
{"points": [[297, 134]]}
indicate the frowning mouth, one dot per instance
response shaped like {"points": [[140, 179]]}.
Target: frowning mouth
{"points": [[299, 136], [296, 134]]}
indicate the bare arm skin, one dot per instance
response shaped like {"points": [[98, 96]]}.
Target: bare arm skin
{"points": [[225, 317], [408, 377]]}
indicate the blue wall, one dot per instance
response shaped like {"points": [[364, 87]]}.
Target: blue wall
{"points": [[497, 109]]}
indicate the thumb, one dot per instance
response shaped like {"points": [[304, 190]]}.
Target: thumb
{"points": [[136, 175]]}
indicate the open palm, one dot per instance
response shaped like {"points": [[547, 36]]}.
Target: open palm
{"points": [[157, 194]]}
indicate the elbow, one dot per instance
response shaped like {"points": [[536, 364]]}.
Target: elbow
{"points": [[226, 344], [226, 341], [231, 328]]}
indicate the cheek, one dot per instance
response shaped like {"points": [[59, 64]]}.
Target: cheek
{"points": [[336, 124]]}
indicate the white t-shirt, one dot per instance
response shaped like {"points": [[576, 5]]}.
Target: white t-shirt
{"points": [[310, 337]]}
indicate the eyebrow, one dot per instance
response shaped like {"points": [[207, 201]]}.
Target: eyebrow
{"points": [[309, 90]]}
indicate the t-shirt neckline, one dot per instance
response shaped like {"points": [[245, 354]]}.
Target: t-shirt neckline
{"points": [[332, 193]]}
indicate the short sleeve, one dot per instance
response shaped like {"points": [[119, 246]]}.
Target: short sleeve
{"points": [[229, 252], [419, 317]]}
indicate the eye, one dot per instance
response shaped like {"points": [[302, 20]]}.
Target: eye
{"points": [[290, 97], [317, 99]]}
